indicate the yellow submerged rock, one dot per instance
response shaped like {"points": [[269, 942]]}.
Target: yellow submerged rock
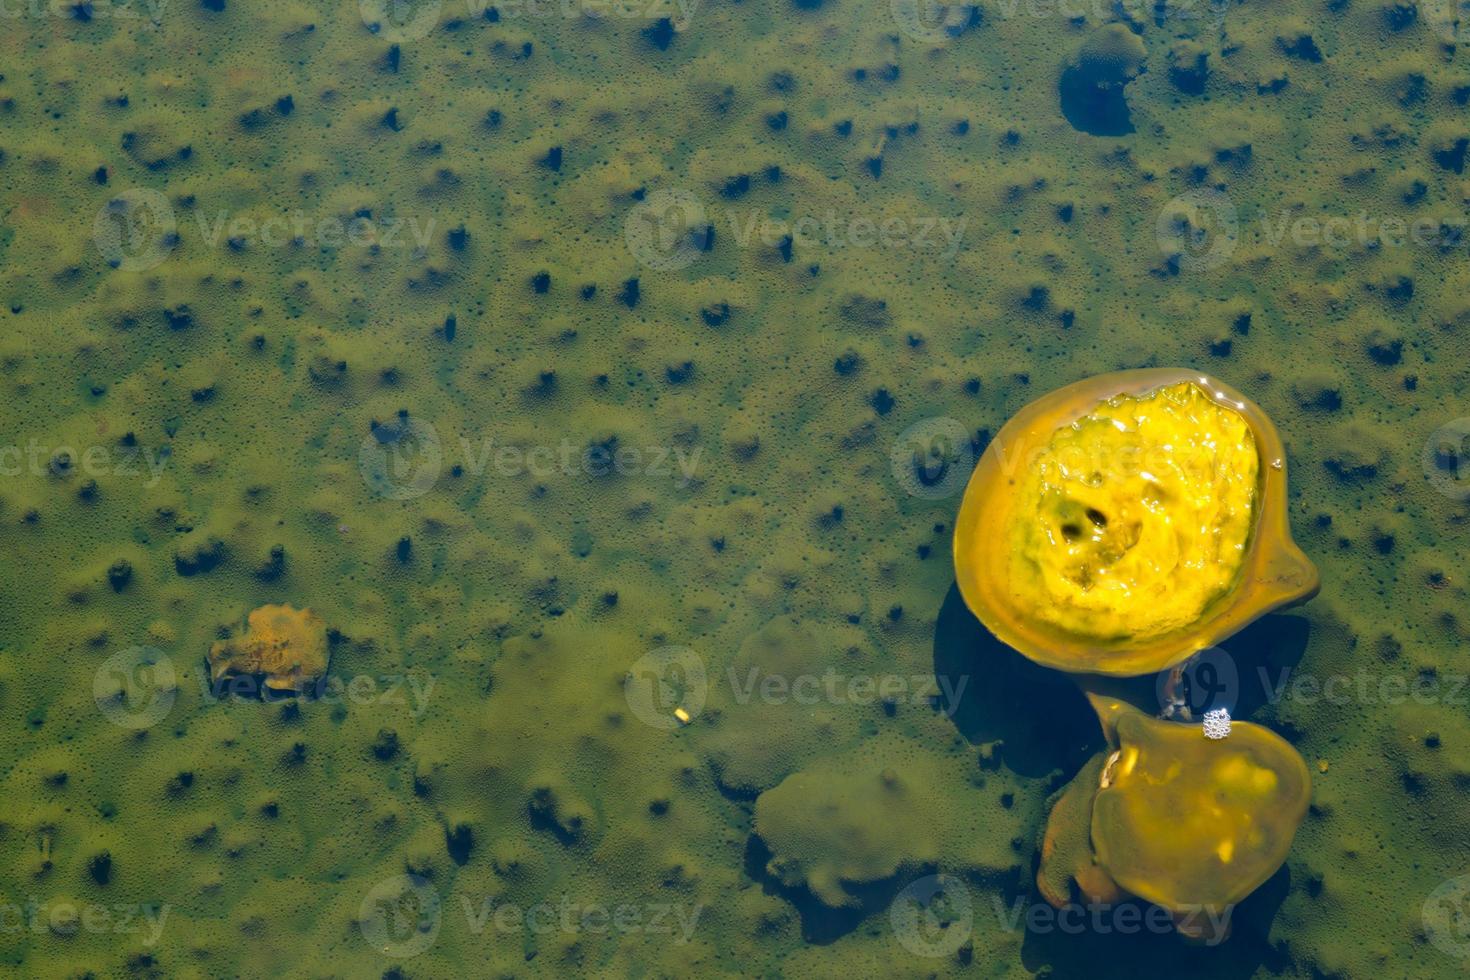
{"points": [[1119, 525], [1191, 824], [1135, 517], [287, 646], [1186, 822]]}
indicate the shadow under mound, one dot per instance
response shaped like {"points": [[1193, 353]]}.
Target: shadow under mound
{"points": [[1265, 655], [821, 924], [1259, 663], [1098, 110], [1103, 942], [1040, 715]]}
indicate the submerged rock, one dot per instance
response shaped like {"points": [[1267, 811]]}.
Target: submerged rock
{"points": [[847, 824]]}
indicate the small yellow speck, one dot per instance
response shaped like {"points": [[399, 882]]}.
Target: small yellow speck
{"points": [[683, 716], [1322, 765], [1226, 850]]}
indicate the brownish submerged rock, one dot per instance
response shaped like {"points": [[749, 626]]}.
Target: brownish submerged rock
{"points": [[285, 646]]}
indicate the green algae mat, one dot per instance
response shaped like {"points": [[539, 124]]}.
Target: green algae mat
{"points": [[604, 377]]}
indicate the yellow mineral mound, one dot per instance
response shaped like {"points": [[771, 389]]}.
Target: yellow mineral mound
{"points": [[287, 646], [1121, 524]]}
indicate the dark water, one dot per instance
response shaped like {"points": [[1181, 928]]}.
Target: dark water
{"points": [[567, 359]]}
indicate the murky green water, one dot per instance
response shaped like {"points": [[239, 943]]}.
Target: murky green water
{"points": [[568, 359]]}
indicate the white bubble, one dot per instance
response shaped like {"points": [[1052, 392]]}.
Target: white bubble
{"points": [[1217, 724]]}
